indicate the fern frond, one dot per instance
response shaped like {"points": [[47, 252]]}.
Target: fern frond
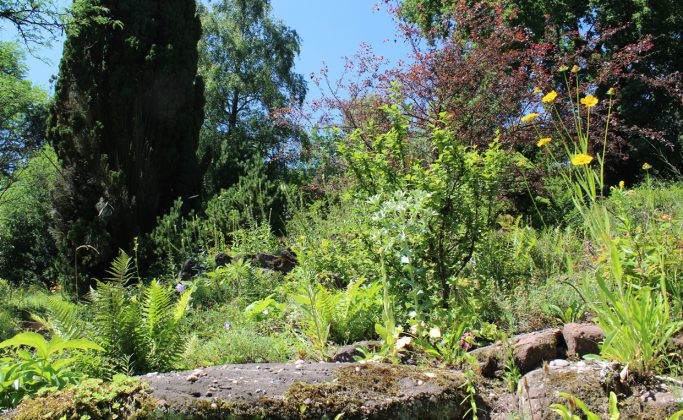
{"points": [[63, 319], [182, 305], [158, 328], [122, 270]]}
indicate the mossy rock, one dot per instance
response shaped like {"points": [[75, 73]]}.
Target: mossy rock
{"points": [[592, 382], [123, 398], [277, 391]]}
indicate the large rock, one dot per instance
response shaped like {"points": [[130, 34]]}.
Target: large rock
{"points": [[528, 350], [582, 339], [287, 391], [590, 382]]}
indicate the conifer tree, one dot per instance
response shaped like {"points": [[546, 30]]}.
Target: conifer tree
{"points": [[125, 124]]}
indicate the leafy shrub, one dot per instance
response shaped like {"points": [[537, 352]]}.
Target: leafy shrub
{"points": [[515, 255], [236, 280], [431, 208], [332, 240], [28, 372]]}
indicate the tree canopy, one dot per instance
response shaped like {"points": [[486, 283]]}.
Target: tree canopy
{"points": [[36, 22], [247, 60], [22, 110]]}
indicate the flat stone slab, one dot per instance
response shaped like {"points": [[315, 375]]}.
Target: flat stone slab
{"points": [[298, 390], [310, 390], [245, 383]]}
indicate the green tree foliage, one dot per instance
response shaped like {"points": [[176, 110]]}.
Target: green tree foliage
{"points": [[125, 123], [27, 249], [36, 22], [247, 59], [22, 111]]}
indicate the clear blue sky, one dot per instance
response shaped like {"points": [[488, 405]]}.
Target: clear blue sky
{"points": [[329, 30]]}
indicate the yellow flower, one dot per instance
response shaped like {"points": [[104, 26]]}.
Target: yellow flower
{"points": [[549, 98], [621, 185], [530, 117], [576, 69], [589, 101], [544, 141], [647, 166], [537, 90], [611, 91], [581, 159], [563, 69]]}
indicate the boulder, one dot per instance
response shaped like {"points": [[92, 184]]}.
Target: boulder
{"points": [[529, 352], [284, 391], [283, 262], [582, 339], [590, 382], [222, 259], [491, 360]]}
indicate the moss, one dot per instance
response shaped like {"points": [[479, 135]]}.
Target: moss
{"points": [[122, 398]]}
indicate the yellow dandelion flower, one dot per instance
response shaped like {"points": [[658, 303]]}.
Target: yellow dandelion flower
{"points": [[562, 69], [545, 140], [611, 91], [589, 101], [537, 90], [647, 166], [576, 69], [549, 98], [530, 117], [581, 159], [622, 184]]}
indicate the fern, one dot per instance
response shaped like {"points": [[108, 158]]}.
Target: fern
{"points": [[122, 270], [158, 331], [63, 319], [137, 326]]}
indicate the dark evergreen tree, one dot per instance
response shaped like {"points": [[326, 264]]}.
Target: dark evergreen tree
{"points": [[125, 123]]}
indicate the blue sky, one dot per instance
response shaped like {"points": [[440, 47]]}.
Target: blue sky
{"points": [[329, 30]]}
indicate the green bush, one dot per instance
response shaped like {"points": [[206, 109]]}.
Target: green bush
{"points": [[226, 334], [236, 219], [431, 210], [237, 280], [330, 239], [241, 344]]}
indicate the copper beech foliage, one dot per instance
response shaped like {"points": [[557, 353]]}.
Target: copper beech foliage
{"points": [[482, 72]]}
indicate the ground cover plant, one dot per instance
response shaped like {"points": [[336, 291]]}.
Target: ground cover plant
{"points": [[502, 182]]}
